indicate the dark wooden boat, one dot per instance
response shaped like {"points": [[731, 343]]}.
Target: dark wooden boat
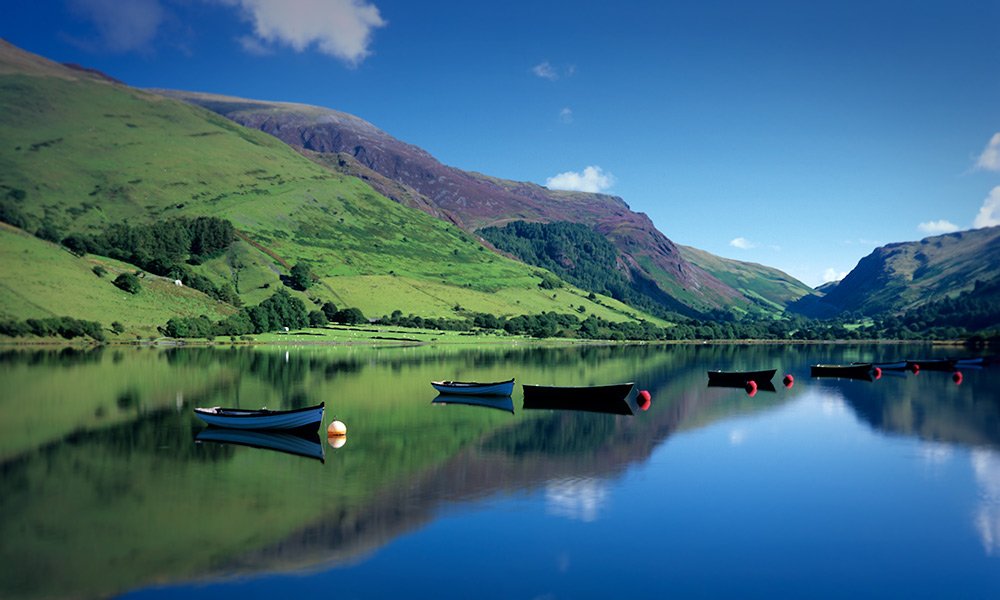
{"points": [[931, 364], [618, 399], [474, 388], [861, 371], [298, 444], [741, 377], [504, 403], [241, 418]]}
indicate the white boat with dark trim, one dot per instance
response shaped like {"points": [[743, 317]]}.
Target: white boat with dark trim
{"points": [[241, 418], [474, 388]]}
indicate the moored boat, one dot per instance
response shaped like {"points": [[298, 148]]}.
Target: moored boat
{"points": [[241, 418], [619, 399], [306, 445], [764, 386], [899, 365], [474, 388], [851, 371], [741, 377], [931, 364]]}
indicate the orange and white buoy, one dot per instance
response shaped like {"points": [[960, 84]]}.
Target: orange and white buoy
{"points": [[336, 429]]}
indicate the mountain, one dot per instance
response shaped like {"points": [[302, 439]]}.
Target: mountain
{"points": [[474, 201], [81, 152], [908, 275], [769, 287]]}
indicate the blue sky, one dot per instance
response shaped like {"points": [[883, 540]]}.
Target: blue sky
{"points": [[795, 134]]}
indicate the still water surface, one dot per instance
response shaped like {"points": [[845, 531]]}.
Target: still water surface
{"points": [[832, 488]]}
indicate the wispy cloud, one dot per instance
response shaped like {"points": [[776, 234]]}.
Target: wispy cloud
{"points": [[989, 160], [742, 243], [252, 45], [121, 26], [832, 274], [938, 227], [989, 212], [566, 115], [593, 179], [545, 70], [338, 28]]}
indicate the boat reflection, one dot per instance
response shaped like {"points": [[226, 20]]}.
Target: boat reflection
{"points": [[298, 444], [764, 386], [504, 403]]}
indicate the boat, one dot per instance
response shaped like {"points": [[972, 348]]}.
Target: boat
{"points": [[931, 364], [618, 399], [474, 388], [899, 365], [504, 403], [851, 371], [741, 377], [298, 444], [241, 418], [977, 361]]}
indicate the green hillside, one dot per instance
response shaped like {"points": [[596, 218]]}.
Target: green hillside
{"points": [[768, 287], [79, 153]]}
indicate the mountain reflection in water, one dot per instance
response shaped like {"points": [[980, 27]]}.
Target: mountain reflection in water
{"points": [[100, 465]]}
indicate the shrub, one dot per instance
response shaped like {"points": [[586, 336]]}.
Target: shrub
{"points": [[99, 271], [128, 282]]}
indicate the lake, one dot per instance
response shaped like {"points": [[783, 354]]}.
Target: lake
{"points": [[830, 488]]}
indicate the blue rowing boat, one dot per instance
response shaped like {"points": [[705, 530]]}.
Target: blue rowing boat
{"points": [[240, 418], [474, 388]]}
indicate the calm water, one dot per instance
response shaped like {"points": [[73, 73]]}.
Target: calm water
{"points": [[832, 488]]}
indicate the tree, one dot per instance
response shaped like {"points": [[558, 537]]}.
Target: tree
{"points": [[128, 282], [117, 327], [329, 309], [349, 316], [300, 277], [317, 318]]}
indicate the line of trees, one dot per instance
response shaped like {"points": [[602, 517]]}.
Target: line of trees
{"points": [[65, 327]]}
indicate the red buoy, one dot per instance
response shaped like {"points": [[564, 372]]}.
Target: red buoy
{"points": [[789, 381], [877, 371], [957, 377], [915, 368], [644, 396], [751, 388]]}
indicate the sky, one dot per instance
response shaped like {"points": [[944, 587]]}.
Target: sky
{"points": [[799, 135]]}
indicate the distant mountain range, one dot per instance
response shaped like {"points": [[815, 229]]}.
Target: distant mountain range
{"points": [[907, 275], [691, 282]]}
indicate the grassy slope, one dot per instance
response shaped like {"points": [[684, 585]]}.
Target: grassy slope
{"points": [[41, 279], [770, 287], [87, 153]]}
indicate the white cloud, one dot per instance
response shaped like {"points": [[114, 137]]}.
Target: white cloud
{"points": [[936, 227], [122, 26], [579, 499], [339, 28], [545, 70], [566, 115], [832, 274], [990, 158], [252, 45], [989, 213], [593, 179], [742, 243]]}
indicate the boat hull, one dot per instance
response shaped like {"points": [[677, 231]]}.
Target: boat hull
{"points": [[855, 371], [236, 418], [740, 377], [619, 399], [931, 364], [472, 388]]}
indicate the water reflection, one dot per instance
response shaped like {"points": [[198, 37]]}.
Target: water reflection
{"points": [[99, 464]]}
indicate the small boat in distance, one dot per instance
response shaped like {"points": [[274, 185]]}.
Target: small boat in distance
{"points": [[618, 399], [474, 388], [504, 403], [899, 365], [298, 444], [931, 364], [853, 371], [740, 378], [241, 418]]}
